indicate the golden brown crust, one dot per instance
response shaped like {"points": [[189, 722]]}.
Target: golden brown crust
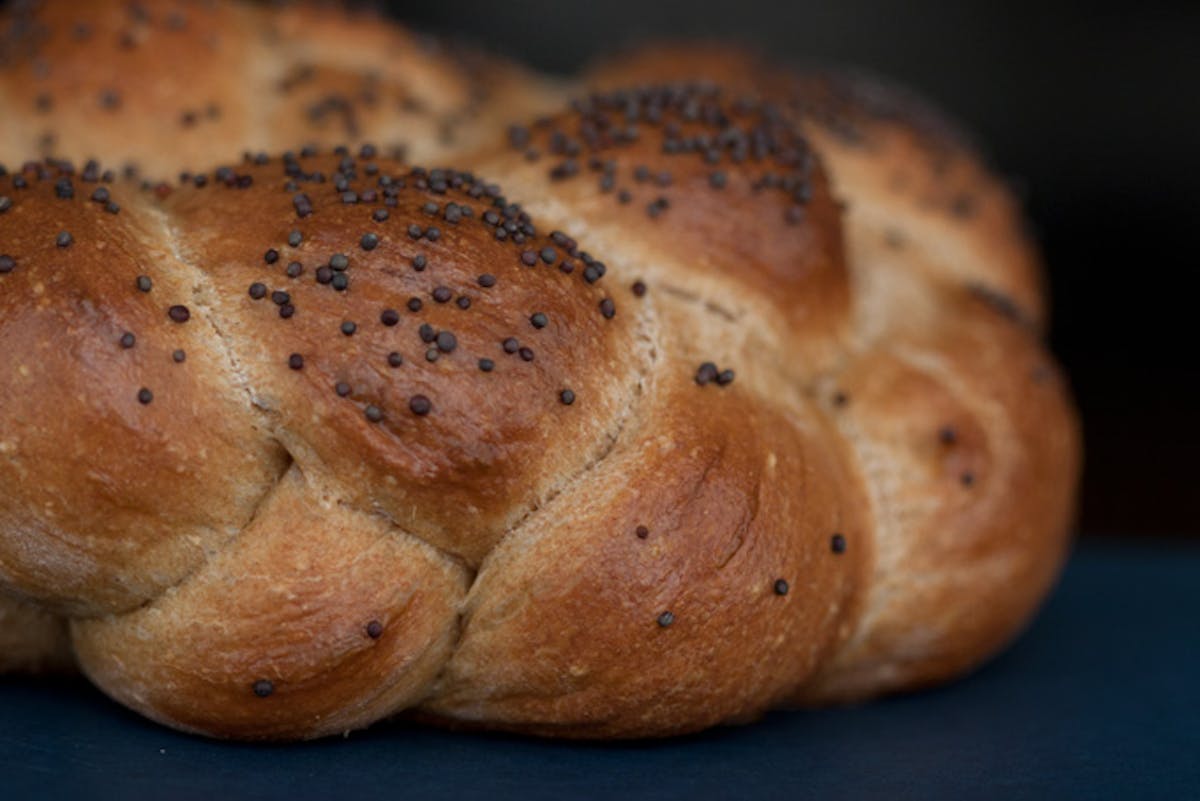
{"points": [[697, 193], [119, 501], [165, 86], [743, 406], [897, 162], [970, 449], [317, 620], [964, 432], [79, 74], [488, 332], [689, 578]]}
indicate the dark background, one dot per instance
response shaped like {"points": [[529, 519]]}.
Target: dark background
{"points": [[1094, 107]]}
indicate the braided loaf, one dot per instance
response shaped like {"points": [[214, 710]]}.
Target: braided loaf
{"points": [[732, 397]]}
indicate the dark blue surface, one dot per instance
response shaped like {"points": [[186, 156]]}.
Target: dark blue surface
{"points": [[1099, 700]]}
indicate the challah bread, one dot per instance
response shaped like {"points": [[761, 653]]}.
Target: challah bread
{"points": [[744, 405]]}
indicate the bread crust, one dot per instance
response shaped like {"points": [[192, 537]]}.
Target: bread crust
{"points": [[161, 87]]}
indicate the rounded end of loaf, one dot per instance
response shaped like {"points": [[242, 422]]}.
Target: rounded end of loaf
{"points": [[964, 429]]}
